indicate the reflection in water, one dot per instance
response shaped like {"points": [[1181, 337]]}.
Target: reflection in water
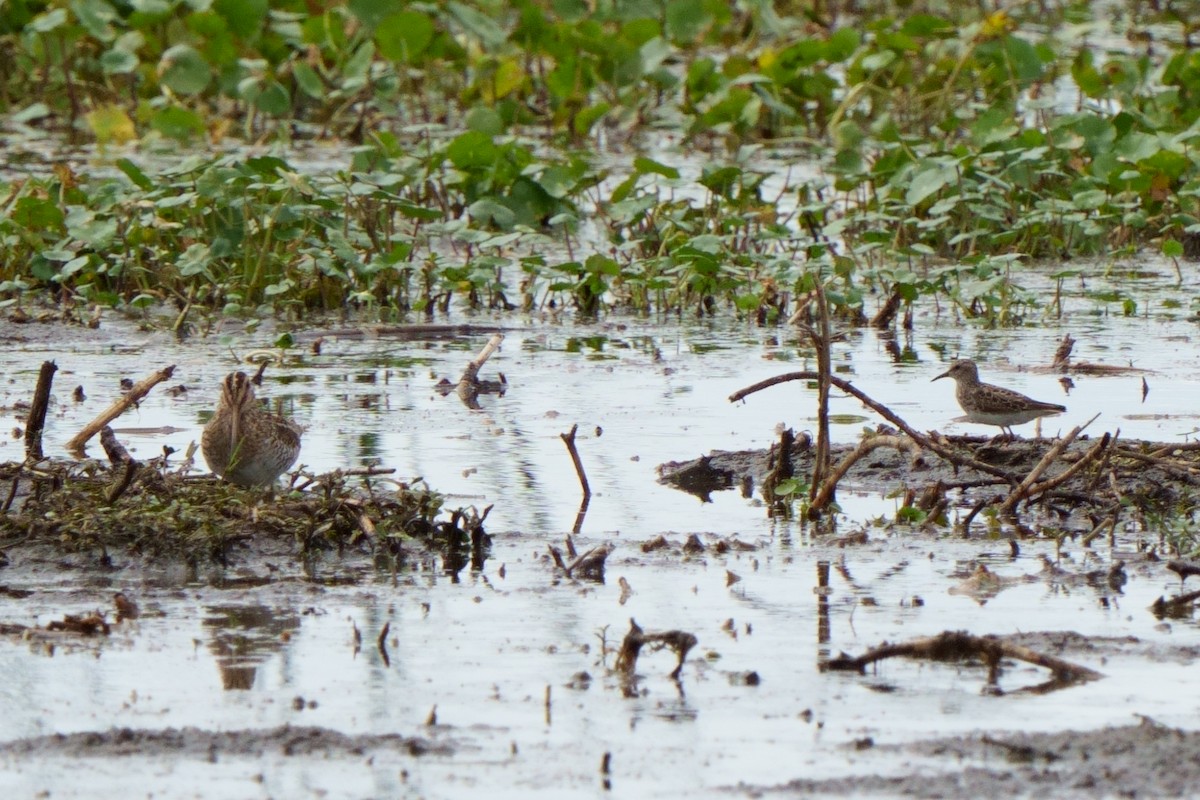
{"points": [[243, 637], [823, 629], [368, 446]]}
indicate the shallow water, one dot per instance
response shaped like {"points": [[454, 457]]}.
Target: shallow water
{"points": [[235, 649]]}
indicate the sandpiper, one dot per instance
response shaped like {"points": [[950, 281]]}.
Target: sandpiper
{"points": [[244, 443], [994, 405]]}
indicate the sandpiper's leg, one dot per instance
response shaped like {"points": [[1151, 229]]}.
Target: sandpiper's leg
{"points": [[1004, 436]]}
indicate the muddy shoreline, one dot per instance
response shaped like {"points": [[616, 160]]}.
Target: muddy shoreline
{"points": [[510, 658]]}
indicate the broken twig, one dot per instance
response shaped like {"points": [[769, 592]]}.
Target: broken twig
{"points": [[37, 411], [468, 384], [569, 439], [118, 407], [956, 646], [1022, 490], [679, 641], [826, 493]]}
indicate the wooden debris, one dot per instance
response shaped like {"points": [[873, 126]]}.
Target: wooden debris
{"points": [[869, 443], [118, 407], [657, 543], [469, 387], [126, 607], [679, 641], [781, 469], [958, 646], [381, 643], [1022, 490], [37, 411], [588, 567], [1184, 569], [85, 625], [569, 439], [927, 442], [1176, 606]]}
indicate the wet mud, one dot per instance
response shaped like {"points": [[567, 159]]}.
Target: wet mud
{"points": [[1143, 760], [203, 745], [1085, 486], [671, 646]]}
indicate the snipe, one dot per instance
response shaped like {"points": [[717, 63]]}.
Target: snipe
{"points": [[244, 443]]}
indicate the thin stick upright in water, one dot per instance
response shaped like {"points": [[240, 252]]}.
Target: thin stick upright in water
{"points": [[37, 411], [569, 439]]}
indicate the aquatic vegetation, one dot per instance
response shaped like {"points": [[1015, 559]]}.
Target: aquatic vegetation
{"points": [[945, 148]]}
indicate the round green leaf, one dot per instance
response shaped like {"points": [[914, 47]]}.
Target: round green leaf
{"points": [[372, 12], [274, 99], [485, 120], [308, 80], [472, 150], [245, 17], [176, 122], [118, 62], [183, 70], [404, 36], [111, 124]]}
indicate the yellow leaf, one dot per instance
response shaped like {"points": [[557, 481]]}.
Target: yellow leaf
{"points": [[111, 125], [508, 78], [996, 25]]}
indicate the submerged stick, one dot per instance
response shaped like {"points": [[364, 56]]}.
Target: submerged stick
{"points": [[467, 384], [119, 407], [782, 469], [821, 342], [957, 645], [581, 514], [679, 641], [869, 443], [589, 566], [382, 643], [116, 452], [37, 411], [569, 439], [1176, 605], [883, 318]]}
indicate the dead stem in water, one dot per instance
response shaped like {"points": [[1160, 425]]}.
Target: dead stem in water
{"points": [[958, 646], [681, 642]]}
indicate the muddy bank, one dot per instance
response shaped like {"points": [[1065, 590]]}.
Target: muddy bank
{"points": [[194, 743], [1077, 483], [1146, 760]]}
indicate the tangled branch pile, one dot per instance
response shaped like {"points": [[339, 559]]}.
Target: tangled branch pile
{"points": [[157, 510]]}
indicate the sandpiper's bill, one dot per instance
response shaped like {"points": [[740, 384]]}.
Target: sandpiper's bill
{"points": [[994, 405]]}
